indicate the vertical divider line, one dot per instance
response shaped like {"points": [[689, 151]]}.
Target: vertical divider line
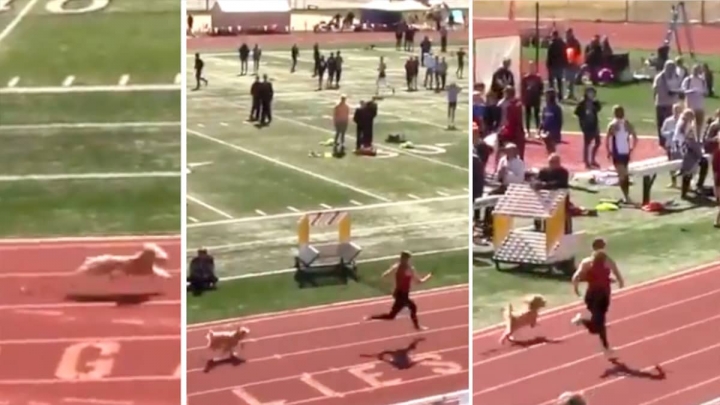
{"points": [[471, 90], [183, 205]]}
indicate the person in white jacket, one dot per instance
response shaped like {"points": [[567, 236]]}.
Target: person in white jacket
{"points": [[695, 89], [668, 134]]}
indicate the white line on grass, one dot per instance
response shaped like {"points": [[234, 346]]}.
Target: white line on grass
{"points": [[356, 232], [193, 219], [328, 131], [293, 209], [68, 81], [178, 78], [288, 166], [14, 81], [370, 260], [208, 206], [90, 125], [261, 213], [90, 89], [327, 207], [87, 176], [388, 204], [124, 79], [19, 17], [356, 203]]}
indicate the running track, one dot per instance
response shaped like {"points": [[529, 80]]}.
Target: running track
{"points": [[57, 351], [673, 322], [327, 356]]}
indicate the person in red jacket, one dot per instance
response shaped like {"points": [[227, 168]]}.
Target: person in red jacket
{"points": [[511, 127]]}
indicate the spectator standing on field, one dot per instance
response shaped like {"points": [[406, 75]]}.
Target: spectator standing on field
{"points": [[425, 49], [574, 56], [443, 39], [695, 90], [294, 53], [666, 91], [341, 116], [266, 99], [556, 62], [502, 79], [532, 89], [257, 53], [453, 90], [552, 122], [244, 54]]}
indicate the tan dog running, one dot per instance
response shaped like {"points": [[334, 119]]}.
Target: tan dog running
{"points": [[515, 322], [225, 342], [142, 263]]}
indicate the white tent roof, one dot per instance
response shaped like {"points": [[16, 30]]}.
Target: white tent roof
{"points": [[252, 6], [387, 5]]}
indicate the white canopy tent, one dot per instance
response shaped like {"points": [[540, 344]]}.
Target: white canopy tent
{"points": [[251, 14]]}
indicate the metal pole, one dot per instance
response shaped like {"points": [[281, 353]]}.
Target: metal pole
{"points": [[537, 33]]}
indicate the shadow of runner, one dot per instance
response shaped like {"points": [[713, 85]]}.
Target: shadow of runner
{"points": [[401, 358], [119, 299], [621, 369]]}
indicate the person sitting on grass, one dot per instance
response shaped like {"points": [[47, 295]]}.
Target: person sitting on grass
{"points": [[202, 273]]}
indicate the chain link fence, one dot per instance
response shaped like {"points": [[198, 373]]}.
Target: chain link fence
{"points": [[698, 11]]}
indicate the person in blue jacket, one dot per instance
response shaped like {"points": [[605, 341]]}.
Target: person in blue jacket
{"points": [[551, 122]]}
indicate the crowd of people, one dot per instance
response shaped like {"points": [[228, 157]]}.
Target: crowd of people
{"points": [[510, 111]]}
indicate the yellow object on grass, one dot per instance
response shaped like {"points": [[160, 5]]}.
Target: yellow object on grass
{"points": [[606, 207]]}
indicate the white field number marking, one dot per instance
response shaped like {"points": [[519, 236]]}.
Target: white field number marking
{"points": [[428, 150], [61, 6], [70, 365]]}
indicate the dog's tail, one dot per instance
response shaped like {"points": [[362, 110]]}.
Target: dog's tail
{"points": [[507, 312]]}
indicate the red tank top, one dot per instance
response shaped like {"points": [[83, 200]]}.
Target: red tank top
{"points": [[403, 279], [598, 278]]}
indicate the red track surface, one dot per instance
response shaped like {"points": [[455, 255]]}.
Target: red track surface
{"points": [[54, 350], [673, 323], [327, 356]]}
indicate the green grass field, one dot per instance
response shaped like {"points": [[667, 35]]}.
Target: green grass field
{"points": [[645, 245], [89, 117], [248, 186]]}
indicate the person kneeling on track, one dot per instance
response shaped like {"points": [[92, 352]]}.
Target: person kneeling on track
{"points": [[202, 273]]}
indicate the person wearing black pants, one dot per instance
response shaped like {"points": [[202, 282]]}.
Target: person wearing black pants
{"points": [[359, 120], [532, 92], [587, 112], [597, 271], [294, 53], [266, 98], [255, 94], [405, 275]]}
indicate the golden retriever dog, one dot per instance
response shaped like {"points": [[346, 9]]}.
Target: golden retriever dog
{"points": [[143, 263], [225, 342], [515, 322]]}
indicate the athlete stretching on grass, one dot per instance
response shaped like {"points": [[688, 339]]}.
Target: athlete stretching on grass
{"points": [[597, 271], [404, 276]]}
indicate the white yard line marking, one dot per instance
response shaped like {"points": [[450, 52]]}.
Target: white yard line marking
{"points": [[91, 125], [193, 219], [223, 124], [41, 312], [178, 78], [199, 164], [356, 203], [90, 89], [413, 196], [14, 81], [293, 209], [124, 79], [287, 165], [88, 176], [15, 21], [442, 193], [261, 213], [325, 130], [137, 322], [370, 260], [95, 401], [68, 81], [389, 204], [357, 233], [327, 207], [208, 206]]}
